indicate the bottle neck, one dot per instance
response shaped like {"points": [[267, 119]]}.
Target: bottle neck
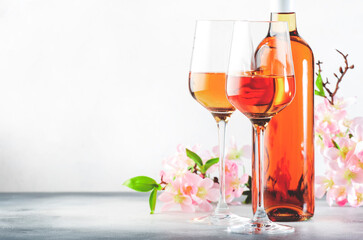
{"points": [[290, 18]]}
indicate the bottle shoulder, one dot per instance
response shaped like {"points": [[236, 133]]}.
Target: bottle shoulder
{"points": [[299, 41]]}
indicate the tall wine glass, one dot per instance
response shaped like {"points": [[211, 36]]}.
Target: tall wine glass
{"points": [[260, 84], [207, 80]]}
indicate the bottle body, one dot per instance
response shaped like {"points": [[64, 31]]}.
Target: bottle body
{"points": [[289, 142]]}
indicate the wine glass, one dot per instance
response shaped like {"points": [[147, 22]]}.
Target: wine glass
{"points": [[260, 84], [207, 81]]}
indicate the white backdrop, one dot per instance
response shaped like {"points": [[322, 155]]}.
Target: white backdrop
{"points": [[95, 92]]}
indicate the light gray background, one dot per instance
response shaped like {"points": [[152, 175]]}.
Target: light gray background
{"points": [[95, 92]]}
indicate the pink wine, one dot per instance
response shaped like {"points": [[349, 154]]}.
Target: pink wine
{"points": [[260, 96]]}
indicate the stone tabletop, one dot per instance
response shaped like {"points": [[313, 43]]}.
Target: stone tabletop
{"points": [[39, 216]]}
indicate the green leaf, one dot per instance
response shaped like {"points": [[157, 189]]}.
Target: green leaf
{"points": [[319, 85], [192, 155], [319, 93], [159, 187], [249, 183], [335, 144], [209, 163], [141, 184], [248, 193], [152, 200], [249, 198]]}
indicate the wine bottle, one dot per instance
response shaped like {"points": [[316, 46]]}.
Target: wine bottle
{"points": [[289, 138]]}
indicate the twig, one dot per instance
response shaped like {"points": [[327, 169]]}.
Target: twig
{"points": [[339, 79]]}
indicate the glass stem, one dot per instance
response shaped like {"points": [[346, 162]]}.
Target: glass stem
{"points": [[222, 206], [258, 148]]}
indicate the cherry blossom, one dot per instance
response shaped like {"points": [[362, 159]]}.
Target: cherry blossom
{"points": [[340, 140], [173, 196], [328, 117], [188, 189], [337, 194], [324, 184], [201, 191], [177, 165], [355, 198]]}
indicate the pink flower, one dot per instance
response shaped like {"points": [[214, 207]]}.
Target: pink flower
{"points": [[341, 143], [341, 103], [357, 128], [355, 196], [235, 185], [352, 173], [327, 117], [173, 196], [189, 191], [337, 194], [341, 154], [201, 191], [204, 154], [359, 150], [324, 141], [324, 184], [235, 153], [334, 193], [186, 189], [177, 165], [231, 168]]}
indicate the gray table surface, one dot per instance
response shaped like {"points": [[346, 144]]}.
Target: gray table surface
{"points": [[126, 216]]}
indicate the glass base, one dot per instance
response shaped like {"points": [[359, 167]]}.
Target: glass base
{"points": [[225, 219], [267, 227]]}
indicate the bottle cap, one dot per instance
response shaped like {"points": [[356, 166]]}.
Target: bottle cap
{"points": [[282, 6]]}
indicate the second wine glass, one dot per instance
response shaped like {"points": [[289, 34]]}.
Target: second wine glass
{"points": [[260, 84]]}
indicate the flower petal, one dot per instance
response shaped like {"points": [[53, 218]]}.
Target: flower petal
{"points": [[359, 150], [333, 165], [320, 191], [215, 150], [167, 206], [330, 197], [331, 153], [247, 151], [166, 197], [213, 195], [357, 126], [187, 200], [192, 179], [187, 207], [196, 200], [229, 198], [320, 179], [180, 148], [339, 179], [358, 178], [205, 206], [341, 201], [207, 183], [238, 192]]}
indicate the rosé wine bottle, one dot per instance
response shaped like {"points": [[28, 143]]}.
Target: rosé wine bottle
{"points": [[289, 160]]}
